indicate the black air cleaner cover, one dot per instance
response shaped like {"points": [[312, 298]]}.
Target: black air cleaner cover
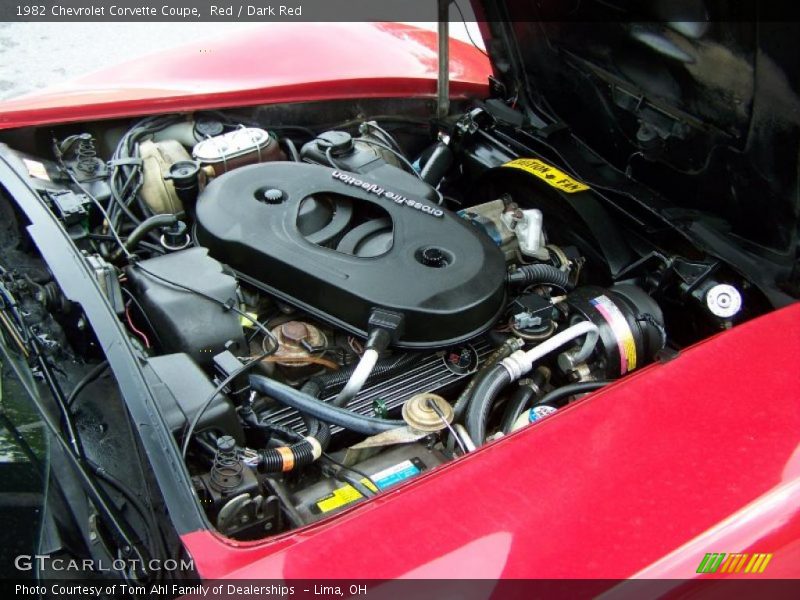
{"points": [[445, 277]]}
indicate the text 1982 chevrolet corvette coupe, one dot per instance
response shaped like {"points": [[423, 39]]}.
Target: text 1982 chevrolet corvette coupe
{"points": [[305, 305]]}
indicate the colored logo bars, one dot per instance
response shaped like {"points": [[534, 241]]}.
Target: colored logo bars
{"points": [[734, 563]]}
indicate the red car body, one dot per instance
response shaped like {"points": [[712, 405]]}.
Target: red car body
{"points": [[641, 479]]}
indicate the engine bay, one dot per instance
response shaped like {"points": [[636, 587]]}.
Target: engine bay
{"points": [[338, 307]]}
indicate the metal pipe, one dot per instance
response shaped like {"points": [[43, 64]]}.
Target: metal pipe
{"points": [[443, 82]]}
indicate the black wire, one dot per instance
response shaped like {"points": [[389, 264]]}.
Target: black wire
{"points": [[384, 133], [571, 389], [353, 469], [97, 203], [146, 513], [196, 419], [466, 28], [86, 380], [226, 305], [329, 156], [402, 158]]}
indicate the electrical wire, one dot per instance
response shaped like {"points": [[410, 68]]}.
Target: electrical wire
{"points": [[143, 314], [96, 371], [203, 407], [388, 136], [353, 469], [400, 157], [229, 305], [135, 329], [466, 29], [96, 202]]}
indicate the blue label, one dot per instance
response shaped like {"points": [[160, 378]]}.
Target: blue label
{"points": [[396, 474]]}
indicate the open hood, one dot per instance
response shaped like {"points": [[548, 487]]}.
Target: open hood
{"points": [[700, 102]]}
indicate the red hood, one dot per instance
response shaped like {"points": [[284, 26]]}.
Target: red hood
{"points": [[279, 62]]}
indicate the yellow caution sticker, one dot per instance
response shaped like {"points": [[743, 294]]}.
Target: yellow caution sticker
{"points": [[549, 174], [382, 479], [342, 497]]}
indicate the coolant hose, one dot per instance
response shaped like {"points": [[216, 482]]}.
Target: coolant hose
{"points": [[314, 426], [437, 164], [315, 407], [540, 273], [482, 399], [514, 367]]}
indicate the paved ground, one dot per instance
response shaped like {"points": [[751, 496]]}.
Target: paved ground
{"points": [[35, 55]]}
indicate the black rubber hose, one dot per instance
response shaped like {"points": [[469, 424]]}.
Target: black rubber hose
{"points": [[516, 404], [548, 274], [437, 164], [558, 394], [481, 402], [267, 427], [314, 426], [505, 350], [142, 229], [287, 458], [315, 407], [385, 366], [96, 371], [520, 400]]}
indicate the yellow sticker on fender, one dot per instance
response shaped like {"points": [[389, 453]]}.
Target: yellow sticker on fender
{"points": [[550, 175]]}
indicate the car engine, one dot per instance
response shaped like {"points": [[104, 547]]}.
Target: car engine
{"points": [[336, 309]]}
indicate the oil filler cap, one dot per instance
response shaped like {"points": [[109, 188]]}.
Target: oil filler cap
{"points": [[427, 412]]}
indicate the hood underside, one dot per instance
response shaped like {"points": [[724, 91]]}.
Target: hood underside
{"points": [[700, 102]]}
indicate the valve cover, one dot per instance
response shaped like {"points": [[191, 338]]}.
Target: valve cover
{"points": [[339, 245]]}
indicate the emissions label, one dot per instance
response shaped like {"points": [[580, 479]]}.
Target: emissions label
{"points": [[549, 174], [347, 494], [622, 332]]}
